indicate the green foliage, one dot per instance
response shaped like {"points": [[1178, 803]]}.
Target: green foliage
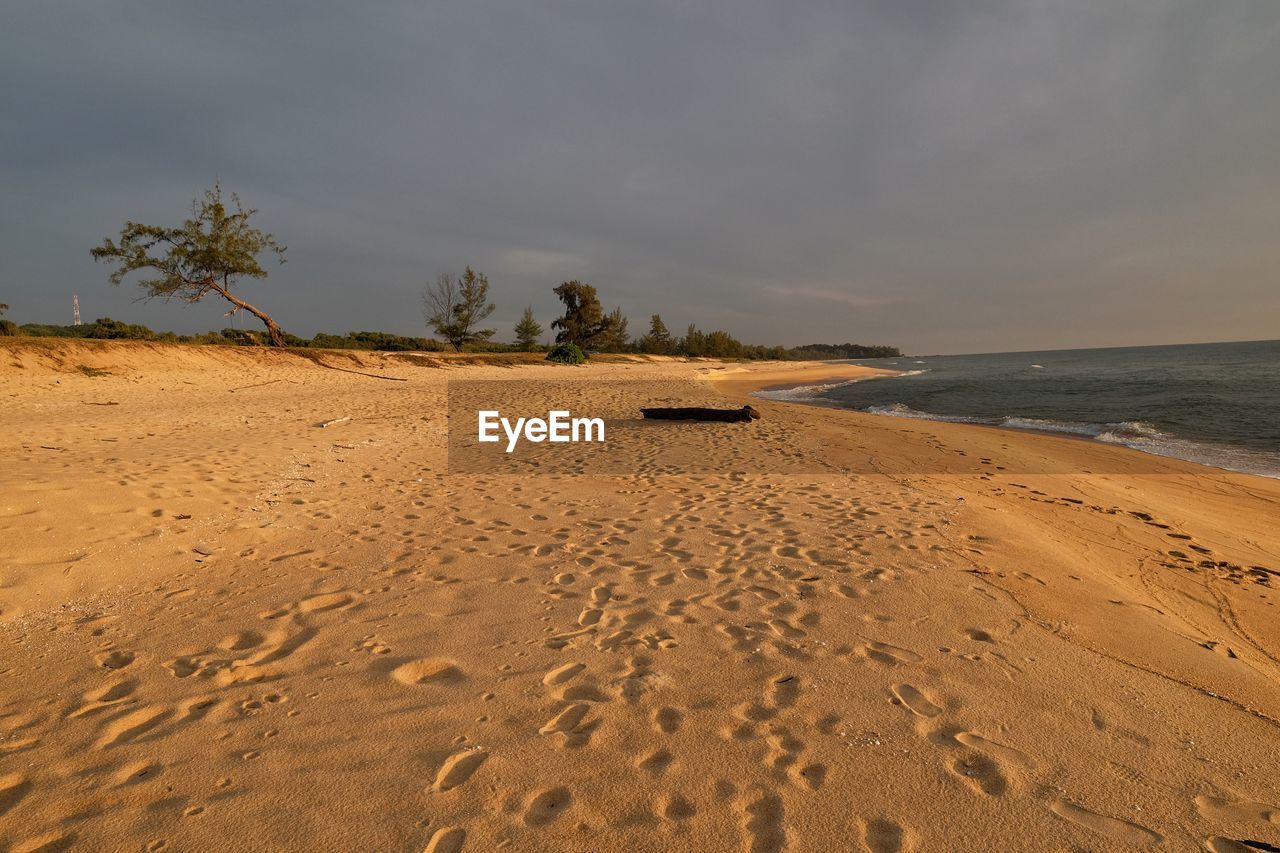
{"points": [[104, 328], [208, 253], [658, 341], [567, 354], [380, 341], [831, 351], [454, 308], [613, 336], [8, 328], [583, 322], [699, 344], [528, 330]]}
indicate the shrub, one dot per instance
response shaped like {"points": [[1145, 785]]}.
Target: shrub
{"points": [[8, 328], [567, 354]]}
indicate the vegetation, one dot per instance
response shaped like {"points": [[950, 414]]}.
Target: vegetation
{"points": [[8, 328], [583, 322], [567, 354], [208, 253], [455, 308], [694, 344], [613, 337], [820, 352], [658, 341], [528, 330]]}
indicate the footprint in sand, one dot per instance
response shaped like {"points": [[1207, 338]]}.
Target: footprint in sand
{"points": [[326, 601], [427, 671], [656, 762], [458, 768], [1218, 844], [885, 836], [891, 655], [764, 823], [547, 805], [980, 773], [138, 771], [561, 674], [915, 701], [676, 807], [667, 720], [447, 840], [241, 642], [115, 660], [13, 788], [126, 728], [105, 697], [998, 751], [1123, 831], [1232, 811], [54, 841], [566, 721]]}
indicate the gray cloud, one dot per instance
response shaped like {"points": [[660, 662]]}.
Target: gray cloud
{"points": [[945, 176]]}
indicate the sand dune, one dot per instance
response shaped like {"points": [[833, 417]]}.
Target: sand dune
{"points": [[227, 627]]}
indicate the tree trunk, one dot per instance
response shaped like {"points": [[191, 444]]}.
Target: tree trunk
{"points": [[273, 329]]}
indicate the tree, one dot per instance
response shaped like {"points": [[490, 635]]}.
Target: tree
{"points": [[694, 342], [528, 330], [8, 328], [658, 341], [454, 308], [583, 322], [208, 253], [613, 337]]}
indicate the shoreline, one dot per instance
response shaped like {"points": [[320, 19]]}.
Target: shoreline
{"points": [[927, 417]]}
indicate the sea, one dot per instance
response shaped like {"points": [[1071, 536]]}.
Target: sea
{"points": [[1216, 404]]}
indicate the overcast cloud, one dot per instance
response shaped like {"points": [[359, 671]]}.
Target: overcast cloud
{"points": [[944, 176]]}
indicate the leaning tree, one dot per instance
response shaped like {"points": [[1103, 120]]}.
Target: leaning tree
{"points": [[207, 254]]}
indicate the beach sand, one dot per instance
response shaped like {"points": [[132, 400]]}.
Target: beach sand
{"points": [[228, 627]]}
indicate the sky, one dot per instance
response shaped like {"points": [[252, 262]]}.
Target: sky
{"points": [[946, 177]]}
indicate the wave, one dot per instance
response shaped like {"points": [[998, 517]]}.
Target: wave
{"points": [[814, 393], [1136, 435], [802, 393]]}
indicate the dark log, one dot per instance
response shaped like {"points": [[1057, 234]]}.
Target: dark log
{"points": [[694, 413]]}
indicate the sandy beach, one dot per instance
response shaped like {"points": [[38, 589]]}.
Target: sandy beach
{"points": [[226, 626]]}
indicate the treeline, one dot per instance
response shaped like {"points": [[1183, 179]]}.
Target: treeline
{"points": [[455, 309], [106, 328], [211, 252], [828, 352], [695, 343]]}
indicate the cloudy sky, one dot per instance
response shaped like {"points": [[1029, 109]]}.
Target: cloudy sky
{"points": [[945, 176]]}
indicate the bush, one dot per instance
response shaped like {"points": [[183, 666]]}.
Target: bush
{"points": [[104, 328], [567, 354], [8, 328]]}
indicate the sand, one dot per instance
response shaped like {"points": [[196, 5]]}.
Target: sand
{"points": [[227, 627]]}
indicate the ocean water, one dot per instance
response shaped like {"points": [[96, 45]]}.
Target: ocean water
{"points": [[1217, 404]]}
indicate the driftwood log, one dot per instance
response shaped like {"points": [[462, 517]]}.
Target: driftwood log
{"points": [[694, 413]]}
